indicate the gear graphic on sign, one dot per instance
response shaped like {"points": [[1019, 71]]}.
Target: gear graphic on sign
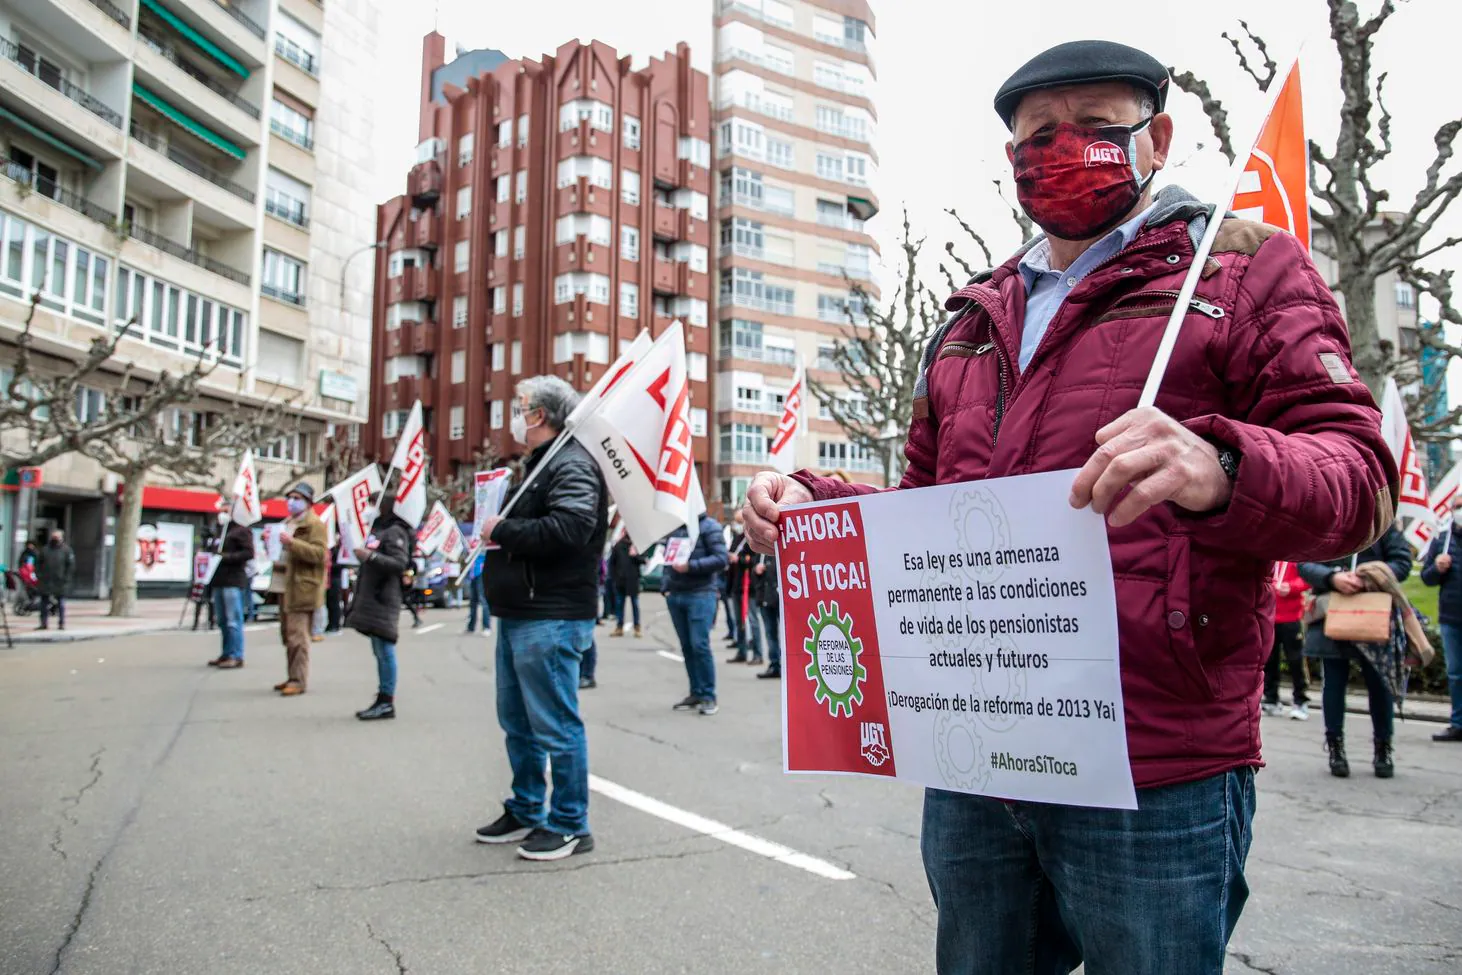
{"points": [[835, 653], [960, 753], [980, 525]]}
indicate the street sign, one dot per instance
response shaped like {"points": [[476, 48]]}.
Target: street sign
{"points": [[30, 477]]}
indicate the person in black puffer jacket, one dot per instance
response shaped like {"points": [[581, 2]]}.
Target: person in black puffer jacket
{"points": [[375, 609], [691, 585], [543, 586], [230, 586]]}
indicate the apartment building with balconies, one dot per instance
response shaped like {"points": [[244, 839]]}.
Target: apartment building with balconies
{"points": [[201, 167], [795, 128], [557, 208]]}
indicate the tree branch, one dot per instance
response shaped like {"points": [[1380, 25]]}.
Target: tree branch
{"points": [[1212, 107], [1270, 68]]}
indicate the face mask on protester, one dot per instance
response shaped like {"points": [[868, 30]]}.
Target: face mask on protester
{"points": [[519, 426], [1078, 181], [296, 506]]}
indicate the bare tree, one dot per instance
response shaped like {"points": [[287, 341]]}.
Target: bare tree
{"points": [[1345, 180], [457, 491]]}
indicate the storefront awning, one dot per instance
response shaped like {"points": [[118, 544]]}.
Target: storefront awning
{"points": [[187, 122], [49, 139], [204, 44], [205, 502]]}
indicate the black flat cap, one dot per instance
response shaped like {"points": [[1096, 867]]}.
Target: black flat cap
{"points": [[1082, 63]]}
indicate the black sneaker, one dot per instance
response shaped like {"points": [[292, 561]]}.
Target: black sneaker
{"points": [[1450, 733], [587, 683], [381, 710], [505, 829], [740, 658], [708, 707], [771, 673], [689, 704], [545, 845]]}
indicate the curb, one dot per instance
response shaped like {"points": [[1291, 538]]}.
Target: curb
{"points": [[79, 636]]}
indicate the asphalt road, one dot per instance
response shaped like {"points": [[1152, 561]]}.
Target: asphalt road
{"points": [[159, 816]]}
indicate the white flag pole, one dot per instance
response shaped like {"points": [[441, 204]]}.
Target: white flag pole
{"points": [[1205, 246]]}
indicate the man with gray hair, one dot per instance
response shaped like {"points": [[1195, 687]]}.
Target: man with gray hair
{"points": [[543, 585]]}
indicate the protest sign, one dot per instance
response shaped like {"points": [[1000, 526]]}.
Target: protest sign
{"points": [[962, 637], [677, 550]]}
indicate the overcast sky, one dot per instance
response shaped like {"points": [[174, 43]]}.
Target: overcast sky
{"points": [[940, 62]]}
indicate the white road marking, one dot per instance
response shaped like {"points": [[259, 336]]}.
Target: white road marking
{"points": [[428, 629], [718, 831], [671, 656]]}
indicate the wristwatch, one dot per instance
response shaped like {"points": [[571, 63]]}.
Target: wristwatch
{"points": [[1228, 459]]}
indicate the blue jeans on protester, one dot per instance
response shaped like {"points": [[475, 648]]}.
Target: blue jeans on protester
{"points": [[228, 611], [748, 631], [538, 709], [385, 665], [1039, 888], [590, 664], [477, 596], [771, 621], [693, 614], [1452, 649], [634, 601]]}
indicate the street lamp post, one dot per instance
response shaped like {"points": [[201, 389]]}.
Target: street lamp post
{"points": [[345, 267]]}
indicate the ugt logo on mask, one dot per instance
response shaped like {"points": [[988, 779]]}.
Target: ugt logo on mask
{"points": [[1099, 153]]}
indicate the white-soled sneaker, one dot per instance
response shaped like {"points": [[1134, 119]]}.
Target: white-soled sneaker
{"points": [[543, 844], [1301, 712]]}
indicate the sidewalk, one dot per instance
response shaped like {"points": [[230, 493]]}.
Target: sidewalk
{"points": [[87, 619]]}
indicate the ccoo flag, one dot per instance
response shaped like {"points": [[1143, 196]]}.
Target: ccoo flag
{"points": [[353, 499], [1414, 500], [783, 450], [1275, 186], [246, 508], [410, 460], [1421, 531]]}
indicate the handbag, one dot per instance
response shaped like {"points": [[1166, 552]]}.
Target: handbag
{"points": [[1363, 617]]}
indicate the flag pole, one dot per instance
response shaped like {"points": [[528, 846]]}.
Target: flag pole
{"points": [[1205, 245]]}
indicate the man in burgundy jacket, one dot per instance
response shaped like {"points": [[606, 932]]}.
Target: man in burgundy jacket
{"points": [[1263, 446]]}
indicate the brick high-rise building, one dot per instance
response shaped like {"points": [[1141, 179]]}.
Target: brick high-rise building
{"points": [[557, 208]]}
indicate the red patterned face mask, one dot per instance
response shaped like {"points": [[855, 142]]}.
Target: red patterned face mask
{"points": [[1078, 181]]}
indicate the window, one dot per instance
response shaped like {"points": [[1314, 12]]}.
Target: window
{"points": [[743, 443], [629, 243], [464, 149], [520, 186], [750, 289], [743, 237], [290, 124], [505, 134], [461, 256], [779, 59], [827, 358], [698, 151], [748, 399], [392, 423], [518, 299], [495, 414], [695, 365], [497, 358], [829, 166], [698, 204], [402, 366], [297, 44], [598, 229], [499, 300], [500, 244], [631, 132], [520, 241], [832, 308], [832, 455], [629, 299], [457, 423], [747, 139], [522, 131], [459, 311], [595, 286], [1405, 296], [695, 255], [399, 261], [459, 366], [598, 114], [693, 310], [278, 357], [779, 153], [743, 185], [464, 203], [286, 198], [71, 279], [697, 421], [516, 357], [630, 187], [283, 278], [857, 169], [404, 311], [591, 345], [599, 172], [90, 403], [503, 186]]}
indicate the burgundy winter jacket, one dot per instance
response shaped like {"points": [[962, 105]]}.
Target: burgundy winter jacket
{"points": [[1263, 366]]}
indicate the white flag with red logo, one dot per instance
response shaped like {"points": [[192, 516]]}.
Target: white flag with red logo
{"points": [[325, 511], [434, 532], [783, 451], [1421, 531], [410, 460], [353, 499], [246, 508], [640, 435], [1414, 501], [633, 353], [1275, 185]]}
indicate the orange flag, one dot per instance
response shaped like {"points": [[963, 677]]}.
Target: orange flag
{"points": [[1275, 186]]}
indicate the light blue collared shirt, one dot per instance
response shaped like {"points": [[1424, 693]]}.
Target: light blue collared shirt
{"points": [[1046, 289]]}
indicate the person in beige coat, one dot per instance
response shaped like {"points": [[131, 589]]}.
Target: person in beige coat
{"points": [[303, 541]]}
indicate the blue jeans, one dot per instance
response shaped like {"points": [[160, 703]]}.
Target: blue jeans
{"points": [[228, 610], [731, 630], [771, 621], [1452, 648], [538, 709], [634, 601], [590, 663], [1038, 889], [478, 597], [385, 665], [694, 613]]}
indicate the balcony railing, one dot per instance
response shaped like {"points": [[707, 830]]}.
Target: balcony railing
{"points": [[851, 270], [753, 103], [295, 55], [242, 18], [767, 354], [301, 139], [752, 252], [113, 11], [846, 129], [289, 214], [169, 246], [760, 203], [160, 45], [772, 305], [51, 191], [191, 163], [732, 6], [279, 294], [843, 221], [31, 64], [742, 54], [745, 456]]}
